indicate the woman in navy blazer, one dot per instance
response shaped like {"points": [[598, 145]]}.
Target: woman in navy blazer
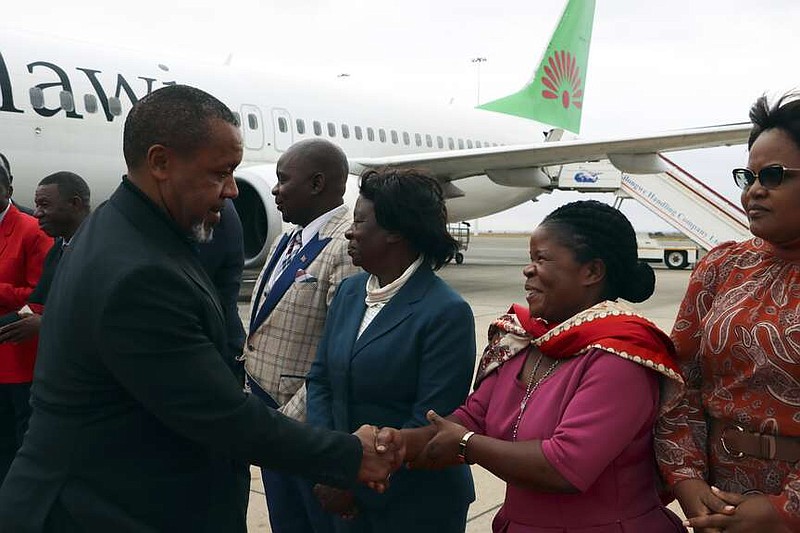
{"points": [[398, 341]]}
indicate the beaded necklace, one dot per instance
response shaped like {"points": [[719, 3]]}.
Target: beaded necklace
{"points": [[530, 388]]}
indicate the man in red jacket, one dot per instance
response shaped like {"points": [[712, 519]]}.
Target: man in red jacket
{"points": [[23, 247]]}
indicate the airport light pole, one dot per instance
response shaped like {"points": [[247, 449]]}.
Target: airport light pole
{"points": [[478, 61]]}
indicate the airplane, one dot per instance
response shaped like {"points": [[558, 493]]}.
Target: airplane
{"points": [[63, 103]]}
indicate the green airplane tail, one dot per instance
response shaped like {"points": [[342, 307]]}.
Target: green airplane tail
{"points": [[555, 94]]}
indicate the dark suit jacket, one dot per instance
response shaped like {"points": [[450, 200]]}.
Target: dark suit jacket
{"points": [[138, 424], [417, 354], [223, 261]]}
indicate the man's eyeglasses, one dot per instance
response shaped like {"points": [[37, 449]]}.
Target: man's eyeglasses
{"points": [[769, 177]]}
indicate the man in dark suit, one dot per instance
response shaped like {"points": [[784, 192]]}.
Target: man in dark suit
{"points": [[223, 260], [23, 247], [62, 203], [138, 424]]}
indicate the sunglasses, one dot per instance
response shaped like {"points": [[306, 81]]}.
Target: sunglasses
{"points": [[769, 177]]}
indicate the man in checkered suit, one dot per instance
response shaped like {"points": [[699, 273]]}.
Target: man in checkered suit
{"points": [[289, 304]]}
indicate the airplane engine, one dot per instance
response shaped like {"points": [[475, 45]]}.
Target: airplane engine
{"points": [[261, 220]]}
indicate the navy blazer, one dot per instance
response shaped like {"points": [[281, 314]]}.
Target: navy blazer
{"points": [[417, 354]]}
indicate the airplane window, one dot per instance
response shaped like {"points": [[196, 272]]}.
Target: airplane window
{"points": [[115, 106], [345, 131], [406, 138], [394, 137], [440, 142], [450, 144], [461, 144], [317, 128], [90, 103], [301, 126], [252, 121], [67, 102], [382, 135], [418, 139], [357, 130], [37, 97], [478, 144], [91, 97], [469, 143], [370, 134], [429, 141], [282, 126], [331, 129]]}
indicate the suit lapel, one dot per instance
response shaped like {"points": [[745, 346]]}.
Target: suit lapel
{"points": [[399, 308], [302, 259], [201, 279], [265, 278]]}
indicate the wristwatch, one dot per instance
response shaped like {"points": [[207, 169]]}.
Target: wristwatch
{"points": [[462, 448]]}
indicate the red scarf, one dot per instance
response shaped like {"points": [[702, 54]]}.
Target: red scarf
{"points": [[609, 326]]}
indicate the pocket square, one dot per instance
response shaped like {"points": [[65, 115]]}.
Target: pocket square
{"points": [[301, 276]]}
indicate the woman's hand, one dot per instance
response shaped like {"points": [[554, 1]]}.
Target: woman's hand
{"points": [[336, 501], [442, 450], [697, 501], [752, 513]]}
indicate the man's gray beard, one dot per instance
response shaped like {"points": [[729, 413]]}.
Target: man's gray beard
{"points": [[202, 233]]}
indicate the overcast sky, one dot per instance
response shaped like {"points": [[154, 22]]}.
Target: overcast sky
{"points": [[653, 65]]}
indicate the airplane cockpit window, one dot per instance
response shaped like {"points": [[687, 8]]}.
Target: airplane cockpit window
{"points": [[406, 138], [90, 103], [382, 135], [66, 100], [370, 134], [450, 144], [428, 141], [317, 128], [37, 97], [252, 121], [115, 106], [345, 131], [395, 139], [301, 126], [461, 144], [440, 142], [331, 129], [469, 143], [357, 131], [282, 126]]}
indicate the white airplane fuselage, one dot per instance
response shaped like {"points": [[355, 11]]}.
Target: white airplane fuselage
{"points": [[63, 106]]}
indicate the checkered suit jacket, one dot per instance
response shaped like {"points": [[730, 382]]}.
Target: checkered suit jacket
{"points": [[279, 353]]}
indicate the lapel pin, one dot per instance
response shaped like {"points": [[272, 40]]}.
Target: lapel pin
{"points": [[303, 259]]}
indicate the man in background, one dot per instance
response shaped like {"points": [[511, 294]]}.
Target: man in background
{"points": [[289, 305], [23, 247]]}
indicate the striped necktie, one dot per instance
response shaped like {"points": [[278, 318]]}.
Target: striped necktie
{"points": [[294, 246]]}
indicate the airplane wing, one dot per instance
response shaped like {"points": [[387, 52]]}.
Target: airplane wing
{"points": [[630, 154]]}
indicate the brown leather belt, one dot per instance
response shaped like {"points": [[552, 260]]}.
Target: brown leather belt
{"points": [[738, 442]]}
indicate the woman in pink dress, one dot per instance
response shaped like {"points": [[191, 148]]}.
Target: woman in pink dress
{"points": [[568, 388]]}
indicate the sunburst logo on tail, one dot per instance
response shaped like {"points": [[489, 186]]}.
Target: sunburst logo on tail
{"points": [[562, 79]]}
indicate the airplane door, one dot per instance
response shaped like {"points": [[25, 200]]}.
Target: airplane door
{"points": [[252, 127], [282, 126]]}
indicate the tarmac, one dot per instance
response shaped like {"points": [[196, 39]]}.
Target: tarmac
{"points": [[491, 279]]}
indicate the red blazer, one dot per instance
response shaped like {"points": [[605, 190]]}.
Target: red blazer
{"points": [[23, 247]]}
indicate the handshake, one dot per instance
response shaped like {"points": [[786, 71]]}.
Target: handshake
{"points": [[386, 449]]}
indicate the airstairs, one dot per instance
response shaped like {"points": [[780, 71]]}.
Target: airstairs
{"points": [[677, 197]]}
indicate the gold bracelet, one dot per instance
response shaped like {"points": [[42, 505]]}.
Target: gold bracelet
{"points": [[462, 448]]}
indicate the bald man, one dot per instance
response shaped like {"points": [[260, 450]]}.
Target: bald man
{"points": [[290, 302]]}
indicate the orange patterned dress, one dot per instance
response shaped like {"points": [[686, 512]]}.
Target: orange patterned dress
{"points": [[737, 337]]}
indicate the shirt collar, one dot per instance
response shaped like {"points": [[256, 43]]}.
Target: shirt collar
{"points": [[313, 227]]}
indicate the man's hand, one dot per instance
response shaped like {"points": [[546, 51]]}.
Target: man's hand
{"points": [[752, 513], [21, 330], [383, 453], [336, 501], [442, 450]]}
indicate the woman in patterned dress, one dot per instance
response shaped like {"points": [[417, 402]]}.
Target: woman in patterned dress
{"points": [[730, 448]]}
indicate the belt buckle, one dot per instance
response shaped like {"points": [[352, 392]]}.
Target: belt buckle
{"points": [[733, 454]]}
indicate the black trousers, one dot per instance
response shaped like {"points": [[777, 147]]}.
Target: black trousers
{"points": [[15, 410]]}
